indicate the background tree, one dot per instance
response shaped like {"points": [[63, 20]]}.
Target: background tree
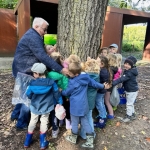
{"points": [[143, 5], [80, 25], [10, 4]]}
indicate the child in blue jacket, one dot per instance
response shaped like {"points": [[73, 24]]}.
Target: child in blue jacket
{"points": [[42, 92], [79, 107]]}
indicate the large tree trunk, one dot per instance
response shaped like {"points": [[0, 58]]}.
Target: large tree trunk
{"points": [[80, 25]]}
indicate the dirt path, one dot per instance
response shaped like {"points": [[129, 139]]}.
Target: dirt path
{"points": [[116, 136]]}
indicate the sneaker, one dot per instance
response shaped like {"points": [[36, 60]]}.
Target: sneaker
{"points": [[89, 142], [133, 117], [55, 133], [110, 116], [101, 124], [126, 119], [13, 119], [72, 138]]}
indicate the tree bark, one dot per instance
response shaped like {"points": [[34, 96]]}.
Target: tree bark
{"points": [[80, 25]]}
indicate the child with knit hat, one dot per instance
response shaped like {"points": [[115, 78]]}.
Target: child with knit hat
{"points": [[130, 85]]}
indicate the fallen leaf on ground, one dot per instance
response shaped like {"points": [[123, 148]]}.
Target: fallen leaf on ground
{"points": [[123, 136], [145, 118], [105, 148], [118, 124], [143, 132], [147, 139]]}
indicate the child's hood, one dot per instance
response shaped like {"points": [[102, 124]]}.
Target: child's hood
{"points": [[133, 71], [94, 76], [92, 65], [41, 85], [83, 79]]}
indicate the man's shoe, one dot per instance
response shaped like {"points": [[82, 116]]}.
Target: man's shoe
{"points": [[13, 119], [21, 129]]}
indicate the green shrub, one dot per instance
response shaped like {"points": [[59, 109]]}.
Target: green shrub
{"points": [[132, 46]]}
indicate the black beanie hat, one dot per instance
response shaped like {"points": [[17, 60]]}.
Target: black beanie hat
{"points": [[131, 60]]}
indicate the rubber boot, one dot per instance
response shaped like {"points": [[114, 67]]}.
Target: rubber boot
{"points": [[43, 142], [89, 141], [72, 138], [28, 140]]}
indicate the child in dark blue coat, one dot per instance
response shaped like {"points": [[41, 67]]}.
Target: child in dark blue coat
{"points": [[104, 77], [42, 92], [79, 107], [130, 86]]}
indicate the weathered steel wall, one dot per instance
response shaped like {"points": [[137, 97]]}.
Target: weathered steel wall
{"points": [[112, 31], [146, 51], [8, 32], [23, 17]]}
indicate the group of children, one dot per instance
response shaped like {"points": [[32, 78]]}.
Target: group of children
{"points": [[88, 85]]}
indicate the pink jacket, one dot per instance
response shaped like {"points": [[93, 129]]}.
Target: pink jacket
{"points": [[118, 74]]}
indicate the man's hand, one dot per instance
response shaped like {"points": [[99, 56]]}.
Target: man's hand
{"points": [[65, 71], [107, 86]]}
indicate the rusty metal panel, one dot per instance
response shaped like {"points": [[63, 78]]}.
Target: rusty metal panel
{"points": [[146, 51], [23, 17], [8, 33], [49, 1], [128, 12], [112, 31]]}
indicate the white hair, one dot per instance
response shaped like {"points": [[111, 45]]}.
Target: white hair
{"points": [[39, 21]]}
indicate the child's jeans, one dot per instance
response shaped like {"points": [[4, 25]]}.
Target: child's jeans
{"points": [[100, 105], [34, 120], [90, 119], [83, 120], [53, 120], [22, 113], [130, 96]]}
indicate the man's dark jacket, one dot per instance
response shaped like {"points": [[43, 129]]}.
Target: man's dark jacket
{"points": [[30, 50]]}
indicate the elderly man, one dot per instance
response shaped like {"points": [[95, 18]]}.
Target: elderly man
{"points": [[30, 50]]}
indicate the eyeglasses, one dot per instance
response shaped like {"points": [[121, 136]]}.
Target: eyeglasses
{"points": [[44, 29]]}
